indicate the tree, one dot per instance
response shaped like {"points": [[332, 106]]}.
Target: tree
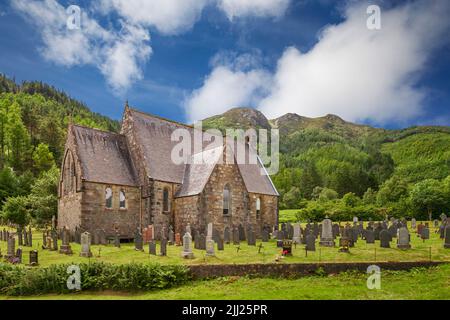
{"points": [[291, 199], [370, 196], [350, 199], [17, 138], [15, 210], [309, 180], [43, 158], [392, 190], [428, 195], [327, 194]]}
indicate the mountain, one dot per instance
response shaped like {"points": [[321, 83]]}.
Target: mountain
{"points": [[346, 157]]}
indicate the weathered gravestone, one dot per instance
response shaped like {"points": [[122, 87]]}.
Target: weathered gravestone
{"points": [[163, 247], [251, 241], [197, 240], [152, 247], [18, 257], [220, 245], [187, 246], [377, 231], [241, 233], [296, 237], [11, 248], [210, 247], [236, 240], [442, 232], [447, 238], [287, 247], [336, 231], [413, 223], [385, 238], [226, 235], [436, 223], [44, 240], [34, 258], [65, 246], [425, 234], [116, 240], [265, 235], [85, 240], [327, 239], [403, 239], [311, 241], [138, 241], [54, 240], [201, 242], [370, 236]]}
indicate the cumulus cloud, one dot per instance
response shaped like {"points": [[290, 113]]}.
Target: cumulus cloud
{"points": [[357, 73], [229, 84], [168, 16], [117, 54], [258, 8]]}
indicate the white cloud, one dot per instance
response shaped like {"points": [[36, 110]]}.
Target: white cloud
{"points": [[352, 71], [225, 88], [258, 8], [117, 54], [168, 16]]}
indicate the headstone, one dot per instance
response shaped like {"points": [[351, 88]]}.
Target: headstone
{"points": [[19, 237], [241, 233], [11, 248], [403, 241], [425, 234], [171, 236], [25, 238], [296, 238], [116, 240], [393, 230], [336, 231], [30, 237], [419, 229], [178, 239], [138, 241], [197, 244], [210, 247], [220, 245], [327, 239], [377, 231], [77, 235], [287, 247], [385, 239], [163, 247], [447, 238], [311, 241], [226, 235], [33, 258], [18, 256], [187, 246], [201, 242], [251, 239], [152, 247], [413, 223], [265, 235], [355, 219], [436, 223], [44, 240], [95, 237], [54, 240], [442, 232], [65, 246], [85, 240], [236, 238], [370, 237]]}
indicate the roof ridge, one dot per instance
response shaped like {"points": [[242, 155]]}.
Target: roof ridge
{"points": [[95, 129], [161, 118]]}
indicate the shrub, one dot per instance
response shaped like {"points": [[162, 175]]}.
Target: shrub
{"points": [[18, 280]]}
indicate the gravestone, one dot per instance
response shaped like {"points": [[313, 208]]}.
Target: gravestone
{"points": [[447, 238], [370, 237], [30, 237], [425, 234], [241, 233], [287, 247], [236, 239], [316, 229], [296, 237], [178, 239], [138, 241], [336, 231], [95, 237], [419, 229], [393, 230], [25, 237], [152, 247], [265, 235], [18, 256], [163, 247], [11, 251], [251, 241], [116, 240], [171, 236], [226, 235], [44, 240], [54, 240], [403, 239], [77, 235], [19, 237], [413, 223], [187, 246], [220, 245], [385, 238], [65, 245], [34, 258], [85, 240], [355, 219], [201, 242], [327, 239], [377, 231], [442, 232], [210, 247], [436, 223], [311, 241], [197, 240]]}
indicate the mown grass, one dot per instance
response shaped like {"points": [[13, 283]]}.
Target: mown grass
{"points": [[432, 249], [420, 283]]}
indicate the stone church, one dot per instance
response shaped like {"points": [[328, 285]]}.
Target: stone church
{"points": [[116, 183]]}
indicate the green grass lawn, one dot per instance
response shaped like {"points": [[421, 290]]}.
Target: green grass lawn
{"points": [[288, 215], [421, 251], [432, 283]]}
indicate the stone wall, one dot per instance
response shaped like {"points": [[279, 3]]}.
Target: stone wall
{"points": [[95, 216], [157, 216]]}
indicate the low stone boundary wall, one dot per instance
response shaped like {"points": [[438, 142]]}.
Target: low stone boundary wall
{"points": [[297, 269]]}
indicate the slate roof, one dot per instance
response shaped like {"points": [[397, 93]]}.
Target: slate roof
{"points": [[104, 156]]}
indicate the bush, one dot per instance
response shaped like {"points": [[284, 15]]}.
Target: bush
{"points": [[18, 280]]}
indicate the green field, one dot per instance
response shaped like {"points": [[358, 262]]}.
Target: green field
{"points": [[432, 249], [432, 283]]}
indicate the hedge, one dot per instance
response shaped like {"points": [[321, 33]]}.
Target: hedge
{"points": [[19, 280]]}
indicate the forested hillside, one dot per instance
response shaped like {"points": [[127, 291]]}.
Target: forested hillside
{"points": [[332, 167], [33, 124]]}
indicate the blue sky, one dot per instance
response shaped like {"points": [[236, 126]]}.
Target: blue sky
{"points": [[239, 53]]}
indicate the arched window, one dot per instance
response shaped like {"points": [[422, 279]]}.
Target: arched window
{"points": [[258, 207], [122, 199], [166, 200], [226, 200], [108, 197]]}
